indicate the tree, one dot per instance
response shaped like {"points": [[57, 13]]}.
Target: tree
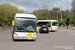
{"points": [[7, 13], [73, 8], [73, 11], [45, 14], [48, 24]]}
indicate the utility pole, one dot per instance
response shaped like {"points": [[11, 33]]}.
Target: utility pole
{"points": [[57, 17], [61, 20], [57, 12]]}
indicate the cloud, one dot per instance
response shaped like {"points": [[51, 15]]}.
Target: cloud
{"points": [[30, 5]]}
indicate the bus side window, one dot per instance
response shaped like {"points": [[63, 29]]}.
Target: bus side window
{"points": [[48, 24]]}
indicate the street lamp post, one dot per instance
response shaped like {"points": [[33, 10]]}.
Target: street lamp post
{"points": [[57, 17], [61, 20], [57, 11], [57, 14], [61, 16]]}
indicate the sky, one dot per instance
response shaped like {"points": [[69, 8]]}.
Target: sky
{"points": [[31, 5]]}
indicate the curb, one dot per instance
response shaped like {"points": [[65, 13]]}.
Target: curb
{"points": [[67, 30], [5, 28]]}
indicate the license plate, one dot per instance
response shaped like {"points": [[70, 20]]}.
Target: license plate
{"points": [[44, 29]]}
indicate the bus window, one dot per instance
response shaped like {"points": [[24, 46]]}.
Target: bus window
{"points": [[41, 23], [54, 23], [48, 24]]}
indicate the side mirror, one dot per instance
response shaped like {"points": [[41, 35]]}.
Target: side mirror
{"points": [[13, 23]]}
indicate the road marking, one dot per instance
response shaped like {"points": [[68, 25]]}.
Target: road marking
{"points": [[67, 30]]}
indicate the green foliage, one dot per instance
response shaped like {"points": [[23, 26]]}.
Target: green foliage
{"points": [[48, 24], [74, 24], [73, 19], [45, 14], [59, 21], [63, 23], [73, 8], [7, 13]]}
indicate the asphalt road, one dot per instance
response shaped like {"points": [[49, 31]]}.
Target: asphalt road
{"points": [[60, 40], [71, 28]]}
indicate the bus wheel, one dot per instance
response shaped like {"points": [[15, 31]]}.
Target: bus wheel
{"points": [[34, 40]]}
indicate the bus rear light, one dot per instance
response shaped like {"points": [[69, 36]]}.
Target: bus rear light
{"points": [[51, 28]]}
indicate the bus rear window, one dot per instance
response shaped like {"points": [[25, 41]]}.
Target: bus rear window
{"points": [[54, 23]]}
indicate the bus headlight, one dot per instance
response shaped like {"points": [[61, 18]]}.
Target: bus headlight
{"points": [[15, 34], [34, 34]]}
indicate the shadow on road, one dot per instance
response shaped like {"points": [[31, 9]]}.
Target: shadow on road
{"points": [[53, 31], [24, 40], [44, 33]]}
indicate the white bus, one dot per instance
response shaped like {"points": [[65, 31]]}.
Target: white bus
{"points": [[24, 27], [52, 24]]}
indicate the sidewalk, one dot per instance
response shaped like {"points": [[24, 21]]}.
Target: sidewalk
{"points": [[66, 29], [5, 28]]}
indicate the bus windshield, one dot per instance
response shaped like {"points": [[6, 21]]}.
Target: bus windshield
{"points": [[25, 25], [48, 24], [41, 23], [54, 23]]}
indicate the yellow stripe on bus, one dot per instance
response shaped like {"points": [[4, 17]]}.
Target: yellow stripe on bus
{"points": [[30, 34], [56, 27], [49, 28], [37, 29]]}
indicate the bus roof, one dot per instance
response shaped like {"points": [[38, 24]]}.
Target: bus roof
{"points": [[25, 15], [47, 21]]}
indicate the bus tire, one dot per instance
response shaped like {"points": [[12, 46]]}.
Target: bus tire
{"points": [[34, 40], [47, 32]]}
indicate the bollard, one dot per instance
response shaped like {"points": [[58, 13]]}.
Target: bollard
{"points": [[73, 27], [67, 27], [61, 27]]}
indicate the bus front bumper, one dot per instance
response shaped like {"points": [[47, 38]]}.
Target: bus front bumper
{"points": [[24, 38]]}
